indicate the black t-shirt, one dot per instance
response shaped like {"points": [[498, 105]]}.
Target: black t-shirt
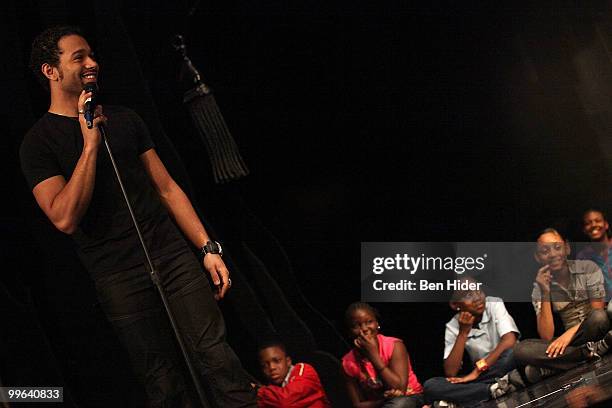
{"points": [[106, 238]]}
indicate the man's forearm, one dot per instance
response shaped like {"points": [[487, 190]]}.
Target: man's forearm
{"points": [[178, 205]]}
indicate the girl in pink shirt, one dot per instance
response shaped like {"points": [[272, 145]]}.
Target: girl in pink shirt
{"points": [[377, 370]]}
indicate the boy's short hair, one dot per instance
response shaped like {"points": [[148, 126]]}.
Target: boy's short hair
{"points": [[271, 343], [460, 294]]}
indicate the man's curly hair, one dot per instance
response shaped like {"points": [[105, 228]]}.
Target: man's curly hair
{"points": [[45, 49]]}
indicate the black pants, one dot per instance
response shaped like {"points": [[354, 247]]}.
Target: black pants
{"points": [[134, 307], [533, 351], [472, 393]]}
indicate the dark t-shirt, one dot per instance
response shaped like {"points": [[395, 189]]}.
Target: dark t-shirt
{"points": [[106, 238]]}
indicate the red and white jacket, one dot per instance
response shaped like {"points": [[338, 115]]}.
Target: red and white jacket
{"points": [[301, 389]]}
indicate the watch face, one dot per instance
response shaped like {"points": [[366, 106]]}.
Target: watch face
{"points": [[212, 247]]}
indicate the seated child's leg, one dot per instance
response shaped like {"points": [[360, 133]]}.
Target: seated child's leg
{"points": [[533, 352], [438, 388], [593, 328]]}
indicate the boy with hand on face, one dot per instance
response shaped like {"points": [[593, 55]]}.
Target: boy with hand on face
{"points": [[485, 330], [290, 386]]}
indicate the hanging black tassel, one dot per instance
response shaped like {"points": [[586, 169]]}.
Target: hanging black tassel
{"points": [[226, 161]]}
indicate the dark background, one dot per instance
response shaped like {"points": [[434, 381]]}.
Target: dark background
{"points": [[358, 121]]}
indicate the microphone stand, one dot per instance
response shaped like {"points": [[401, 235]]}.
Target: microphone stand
{"points": [[155, 276]]}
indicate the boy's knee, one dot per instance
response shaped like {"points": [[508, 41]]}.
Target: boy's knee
{"points": [[432, 387], [431, 383]]}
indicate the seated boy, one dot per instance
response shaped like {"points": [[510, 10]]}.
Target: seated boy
{"points": [[291, 386], [485, 330]]}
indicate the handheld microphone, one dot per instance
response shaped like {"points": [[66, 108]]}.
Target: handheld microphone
{"points": [[90, 103]]}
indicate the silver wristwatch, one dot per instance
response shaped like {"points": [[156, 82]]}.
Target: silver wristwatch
{"points": [[211, 247]]}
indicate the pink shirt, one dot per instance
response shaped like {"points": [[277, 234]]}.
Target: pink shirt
{"points": [[359, 367]]}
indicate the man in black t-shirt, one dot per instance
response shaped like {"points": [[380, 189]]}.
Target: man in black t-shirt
{"points": [[73, 183]]}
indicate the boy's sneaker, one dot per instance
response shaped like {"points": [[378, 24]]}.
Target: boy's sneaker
{"points": [[536, 374], [445, 404], [501, 387]]}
